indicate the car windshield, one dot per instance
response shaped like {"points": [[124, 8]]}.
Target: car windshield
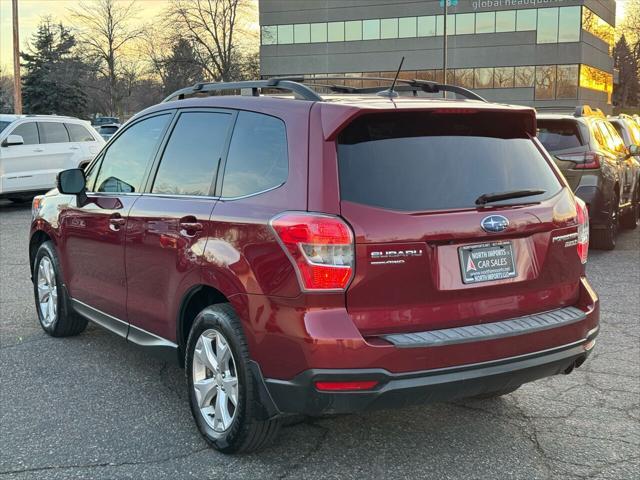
{"points": [[419, 162], [4, 125]]}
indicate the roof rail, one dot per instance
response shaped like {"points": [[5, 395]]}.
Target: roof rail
{"points": [[587, 111], [289, 84]]}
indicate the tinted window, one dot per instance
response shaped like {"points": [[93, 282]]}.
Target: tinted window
{"points": [[257, 157], [108, 129], [419, 162], [558, 134], [78, 133], [4, 125], [28, 132], [52, 132], [190, 160], [125, 163]]}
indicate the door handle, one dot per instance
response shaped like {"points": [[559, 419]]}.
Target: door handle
{"points": [[74, 148], [38, 150], [189, 227], [116, 222]]}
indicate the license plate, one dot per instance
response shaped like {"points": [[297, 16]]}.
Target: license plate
{"points": [[486, 262]]}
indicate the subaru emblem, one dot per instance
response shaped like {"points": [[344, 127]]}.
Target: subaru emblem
{"points": [[494, 223]]}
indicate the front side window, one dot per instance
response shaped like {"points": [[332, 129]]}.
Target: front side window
{"points": [[190, 160], [53, 132], [257, 158], [28, 132], [78, 133], [125, 163]]}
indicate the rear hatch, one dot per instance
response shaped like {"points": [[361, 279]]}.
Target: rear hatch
{"points": [[427, 255], [563, 139]]}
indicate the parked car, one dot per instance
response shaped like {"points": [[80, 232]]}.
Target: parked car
{"points": [[34, 148], [599, 168], [107, 131], [319, 255], [99, 121]]}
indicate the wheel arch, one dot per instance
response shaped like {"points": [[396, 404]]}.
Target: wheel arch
{"points": [[37, 239]]}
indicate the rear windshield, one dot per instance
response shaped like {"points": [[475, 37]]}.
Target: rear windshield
{"points": [[424, 161], [559, 134], [108, 129]]}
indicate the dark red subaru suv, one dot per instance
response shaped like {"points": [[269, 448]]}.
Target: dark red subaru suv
{"points": [[312, 255]]}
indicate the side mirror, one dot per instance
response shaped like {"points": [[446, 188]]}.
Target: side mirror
{"points": [[73, 182], [13, 140], [634, 150]]}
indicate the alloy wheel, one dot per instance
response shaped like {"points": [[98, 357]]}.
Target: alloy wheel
{"points": [[215, 380], [47, 292]]}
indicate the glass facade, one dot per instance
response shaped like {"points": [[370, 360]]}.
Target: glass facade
{"points": [[595, 25], [552, 25], [595, 79]]}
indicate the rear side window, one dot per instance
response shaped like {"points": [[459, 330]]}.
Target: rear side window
{"points": [[190, 161], [559, 134], [28, 132], [78, 133], [125, 162], [257, 159], [53, 132], [425, 161]]}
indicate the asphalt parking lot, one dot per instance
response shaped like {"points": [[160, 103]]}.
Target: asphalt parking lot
{"points": [[94, 407]]}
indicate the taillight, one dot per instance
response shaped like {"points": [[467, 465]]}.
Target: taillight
{"points": [[583, 161], [346, 386], [320, 247], [583, 230]]}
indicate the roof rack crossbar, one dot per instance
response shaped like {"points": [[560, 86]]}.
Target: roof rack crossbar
{"points": [[289, 84]]}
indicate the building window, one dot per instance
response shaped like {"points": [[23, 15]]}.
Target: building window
{"points": [[595, 25], [465, 23], [547, 25], [526, 20], [451, 24], [464, 77], [483, 78], [318, 32], [302, 33], [545, 82], [353, 30], [524, 77], [486, 22], [285, 34], [595, 79], [370, 29], [569, 24], [426, 26], [407, 27], [389, 28], [503, 77], [335, 31], [567, 81], [269, 35], [506, 21]]}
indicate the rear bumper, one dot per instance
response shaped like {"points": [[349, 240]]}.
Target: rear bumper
{"points": [[393, 390]]}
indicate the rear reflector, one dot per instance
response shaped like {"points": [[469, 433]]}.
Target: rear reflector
{"points": [[345, 386], [320, 248], [583, 230]]}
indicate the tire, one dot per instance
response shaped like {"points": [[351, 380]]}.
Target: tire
{"points": [[240, 430], [497, 393], [52, 304], [631, 219], [605, 238]]}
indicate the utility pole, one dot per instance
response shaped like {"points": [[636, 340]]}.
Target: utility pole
{"points": [[444, 44], [17, 81]]}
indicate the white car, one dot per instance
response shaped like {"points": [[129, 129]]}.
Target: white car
{"points": [[34, 148]]}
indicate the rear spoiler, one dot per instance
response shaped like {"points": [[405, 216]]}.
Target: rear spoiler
{"points": [[336, 117]]}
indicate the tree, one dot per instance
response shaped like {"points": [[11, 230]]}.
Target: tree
{"points": [[53, 82], [106, 34], [212, 27], [6, 92], [625, 62]]}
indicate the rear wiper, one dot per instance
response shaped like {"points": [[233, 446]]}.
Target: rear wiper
{"points": [[495, 197]]}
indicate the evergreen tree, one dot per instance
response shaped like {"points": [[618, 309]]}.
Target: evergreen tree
{"points": [[53, 82], [627, 90], [181, 67]]}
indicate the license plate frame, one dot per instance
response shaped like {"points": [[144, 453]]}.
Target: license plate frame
{"points": [[487, 262]]}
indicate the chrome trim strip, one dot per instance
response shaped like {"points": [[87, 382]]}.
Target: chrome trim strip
{"points": [[253, 194], [109, 322], [488, 331]]}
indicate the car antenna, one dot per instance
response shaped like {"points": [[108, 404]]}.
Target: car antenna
{"points": [[391, 93]]}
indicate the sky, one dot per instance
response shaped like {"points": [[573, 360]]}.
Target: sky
{"points": [[32, 11]]}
